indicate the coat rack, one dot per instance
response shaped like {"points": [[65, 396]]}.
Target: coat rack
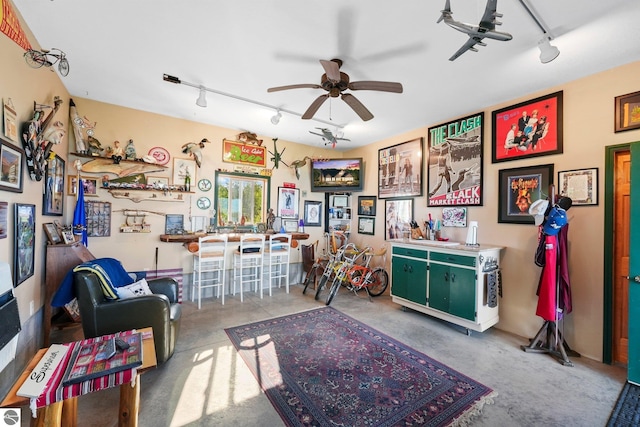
{"points": [[549, 338]]}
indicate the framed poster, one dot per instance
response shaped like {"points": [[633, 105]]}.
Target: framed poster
{"points": [[367, 205], [24, 247], [400, 170], [182, 168], [398, 215], [455, 162], [518, 188], [312, 213], [53, 197], [627, 114], [11, 164], [367, 225], [580, 185], [288, 202], [529, 129]]}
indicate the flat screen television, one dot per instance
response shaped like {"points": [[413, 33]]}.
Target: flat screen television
{"points": [[337, 174]]}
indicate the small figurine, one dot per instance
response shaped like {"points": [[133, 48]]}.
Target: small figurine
{"points": [[271, 217], [130, 151]]}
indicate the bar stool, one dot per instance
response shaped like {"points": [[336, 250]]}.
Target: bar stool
{"points": [[276, 260], [247, 262], [209, 261]]}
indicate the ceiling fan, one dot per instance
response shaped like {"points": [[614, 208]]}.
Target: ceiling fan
{"points": [[335, 82]]}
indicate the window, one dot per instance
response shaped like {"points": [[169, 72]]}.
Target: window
{"points": [[240, 196]]}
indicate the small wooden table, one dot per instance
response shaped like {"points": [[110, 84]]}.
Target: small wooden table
{"points": [[65, 412]]}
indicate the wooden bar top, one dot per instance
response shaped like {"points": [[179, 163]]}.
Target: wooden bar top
{"points": [[232, 237]]}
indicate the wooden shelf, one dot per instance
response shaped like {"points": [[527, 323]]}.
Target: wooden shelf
{"points": [[88, 156], [137, 196]]}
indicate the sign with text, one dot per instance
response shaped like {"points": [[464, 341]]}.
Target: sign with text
{"points": [[244, 154]]}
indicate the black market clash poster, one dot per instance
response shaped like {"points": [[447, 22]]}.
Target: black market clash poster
{"points": [[455, 162]]}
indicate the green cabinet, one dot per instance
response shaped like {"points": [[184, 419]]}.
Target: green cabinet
{"points": [[408, 275], [448, 282]]}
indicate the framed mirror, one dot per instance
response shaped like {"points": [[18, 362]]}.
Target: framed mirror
{"points": [[240, 200]]}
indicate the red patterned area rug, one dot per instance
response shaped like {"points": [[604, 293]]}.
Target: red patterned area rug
{"points": [[322, 367]]}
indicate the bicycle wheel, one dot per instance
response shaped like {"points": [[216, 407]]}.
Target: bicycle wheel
{"points": [[63, 67], [311, 276], [333, 291], [36, 59], [379, 282], [323, 281]]}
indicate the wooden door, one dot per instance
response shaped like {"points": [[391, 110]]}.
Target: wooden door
{"points": [[622, 166]]}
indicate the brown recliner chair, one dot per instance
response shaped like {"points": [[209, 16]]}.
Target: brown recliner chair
{"points": [[161, 311]]}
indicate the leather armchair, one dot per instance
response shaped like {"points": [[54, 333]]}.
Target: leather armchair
{"points": [[161, 311]]}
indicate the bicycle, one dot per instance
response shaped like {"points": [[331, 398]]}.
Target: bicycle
{"points": [[374, 280], [45, 58], [340, 278], [332, 266]]}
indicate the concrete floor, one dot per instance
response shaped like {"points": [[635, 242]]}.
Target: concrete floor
{"points": [[205, 383]]}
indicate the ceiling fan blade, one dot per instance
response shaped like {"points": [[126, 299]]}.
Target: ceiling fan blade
{"points": [[357, 106], [379, 86], [300, 86], [313, 108], [332, 69]]}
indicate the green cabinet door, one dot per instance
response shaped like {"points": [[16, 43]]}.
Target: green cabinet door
{"points": [[462, 297], [409, 279], [439, 287]]}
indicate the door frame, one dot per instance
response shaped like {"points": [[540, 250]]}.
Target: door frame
{"points": [[609, 187]]}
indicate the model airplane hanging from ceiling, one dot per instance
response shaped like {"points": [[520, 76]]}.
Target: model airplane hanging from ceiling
{"points": [[476, 33], [328, 137]]}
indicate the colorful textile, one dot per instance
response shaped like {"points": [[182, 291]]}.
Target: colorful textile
{"points": [[322, 367]]}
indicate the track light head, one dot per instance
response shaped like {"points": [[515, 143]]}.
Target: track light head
{"points": [[547, 52], [171, 79], [276, 119], [202, 98]]}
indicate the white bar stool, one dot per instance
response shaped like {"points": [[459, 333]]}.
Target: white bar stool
{"points": [[247, 262], [209, 261], [277, 258]]}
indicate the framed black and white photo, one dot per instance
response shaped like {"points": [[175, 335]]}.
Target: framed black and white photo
{"points": [[312, 213], [366, 225], [580, 185], [400, 170], [288, 202]]}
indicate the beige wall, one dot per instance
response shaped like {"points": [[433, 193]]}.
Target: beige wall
{"points": [[588, 128]]}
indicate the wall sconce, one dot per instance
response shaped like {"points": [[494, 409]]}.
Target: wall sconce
{"points": [[202, 98], [276, 119]]}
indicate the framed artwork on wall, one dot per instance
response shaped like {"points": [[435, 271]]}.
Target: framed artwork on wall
{"points": [[288, 202], [627, 114], [182, 168], [529, 129], [580, 185], [25, 242], [11, 164], [98, 216], [90, 184], [52, 233], [174, 224], [400, 170], [53, 197], [367, 225], [454, 217], [367, 205], [398, 215], [519, 188], [4, 208], [312, 213], [454, 166]]}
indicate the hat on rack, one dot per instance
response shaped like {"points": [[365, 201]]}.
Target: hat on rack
{"points": [[555, 221], [538, 209]]}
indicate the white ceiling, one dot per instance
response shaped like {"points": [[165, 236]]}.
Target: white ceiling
{"points": [[118, 51]]}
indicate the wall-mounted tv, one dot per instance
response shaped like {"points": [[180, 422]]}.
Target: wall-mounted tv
{"points": [[337, 174]]}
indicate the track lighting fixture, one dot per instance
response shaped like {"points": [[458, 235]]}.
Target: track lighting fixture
{"points": [[276, 119], [202, 98], [548, 52]]}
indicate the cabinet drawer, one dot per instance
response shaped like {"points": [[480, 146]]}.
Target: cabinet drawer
{"points": [[453, 259], [414, 253]]}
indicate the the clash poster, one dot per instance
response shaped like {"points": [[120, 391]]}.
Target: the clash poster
{"points": [[454, 162]]}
